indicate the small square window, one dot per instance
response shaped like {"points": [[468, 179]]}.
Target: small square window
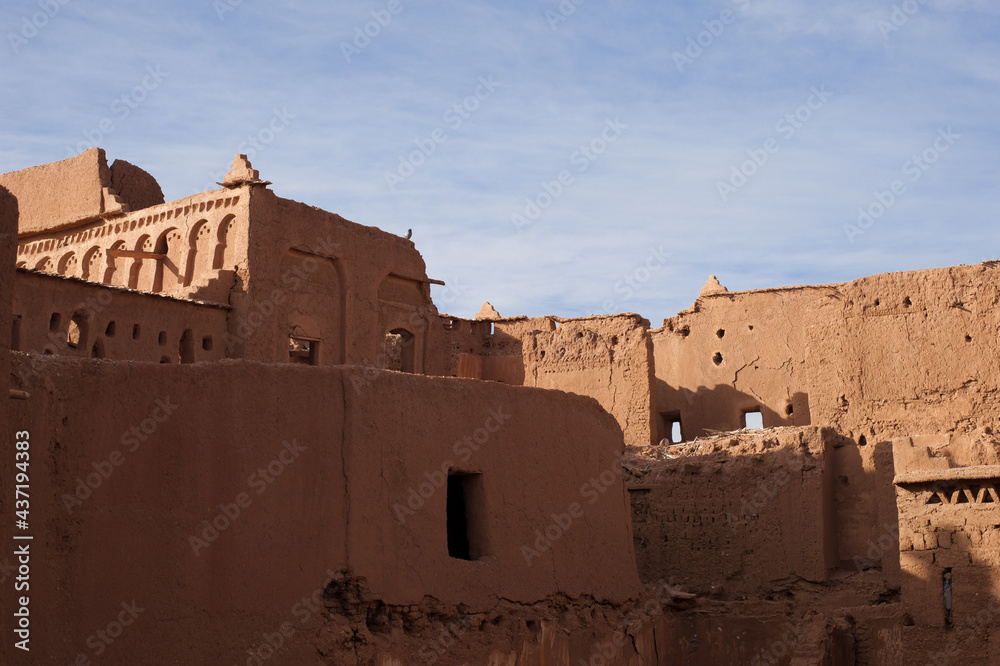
{"points": [[303, 350], [753, 420]]}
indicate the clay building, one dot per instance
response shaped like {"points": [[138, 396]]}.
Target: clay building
{"points": [[254, 439]]}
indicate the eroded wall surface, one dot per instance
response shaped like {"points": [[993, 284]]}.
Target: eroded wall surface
{"points": [[880, 357], [216, 497], [63, 194], [949, 542], [608, 358], [731, 517]]}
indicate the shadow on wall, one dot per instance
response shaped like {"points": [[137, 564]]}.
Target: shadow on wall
{"points": [[503, 360], [952, 599], [731, 516], [217, 288], [688, 414]]}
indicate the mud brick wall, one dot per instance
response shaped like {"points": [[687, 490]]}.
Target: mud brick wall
{"points": [[730, 517]]}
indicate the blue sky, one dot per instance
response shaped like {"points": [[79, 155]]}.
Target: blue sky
{"points": [[603, 156]]}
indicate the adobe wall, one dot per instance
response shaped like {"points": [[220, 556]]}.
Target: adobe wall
{"points": [[882, 356], [310, 274], [949, 541], [8, 248], [608, 358], [198, 243], [876, 358], [114, 323], [134, 186], [737, 352], [315, 461], [329, 279], [63, 194], [731, 516]]}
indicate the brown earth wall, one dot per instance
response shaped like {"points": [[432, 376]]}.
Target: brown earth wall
{"points": [[217, 496]]}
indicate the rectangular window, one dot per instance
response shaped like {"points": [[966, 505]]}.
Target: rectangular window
{"points": [[466, 516], [947, 584], [15, 333], [670, 428], [303, 350], [753, 420]]}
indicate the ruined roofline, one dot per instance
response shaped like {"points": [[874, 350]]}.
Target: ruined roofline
{"points": [[837, 285], [119, 289], [833, 286], [977, 473], [562, 320], [77, 191]]}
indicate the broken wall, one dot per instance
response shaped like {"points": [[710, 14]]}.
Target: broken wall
{"points": [[608, 358], [949, 536], [135, 186], [877, 358], [732, 517], [880, 357], [63, 194]]}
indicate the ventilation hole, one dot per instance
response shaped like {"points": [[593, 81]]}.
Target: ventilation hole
{"points": [[614, 340], [579, 335], [185, 349], [136, 329], [907, 302], [750, 327], [877, 302], [717, 359], [76, 332], [721, 333], [206, 343], [54, 322], [862, 441], [968, 338], [110, 330], [162, 339], [789, 409], [164, 359]]}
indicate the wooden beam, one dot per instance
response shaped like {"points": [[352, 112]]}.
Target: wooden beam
{"points": [[132, 254]]}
